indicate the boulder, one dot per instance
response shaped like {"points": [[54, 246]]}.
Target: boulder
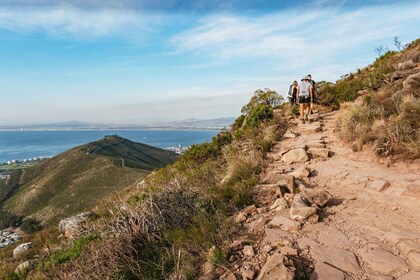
{"points": [[21, 249], [248, 274], [319, 152], [284, 223], [316, 196], [301, 173], [23, 267], [276, 179], [400, 74], [405, 65], [279, 204], [74, 226], [249, 210], [411, 85], [295, 156], [248, 251], [274, 269], [299, 210], [414, 260], [241, 217]]}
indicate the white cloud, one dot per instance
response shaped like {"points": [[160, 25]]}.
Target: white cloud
{"points": [[296, 34], [75, 22]]}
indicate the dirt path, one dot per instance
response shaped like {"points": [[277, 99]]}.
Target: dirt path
{"points": [[369, 229]]}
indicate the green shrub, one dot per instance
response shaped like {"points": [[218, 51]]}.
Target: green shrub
{"points": [[238, 122], [259, 114], [31, 226]]}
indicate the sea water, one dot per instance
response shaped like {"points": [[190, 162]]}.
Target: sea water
{"points": [[22, 145]]}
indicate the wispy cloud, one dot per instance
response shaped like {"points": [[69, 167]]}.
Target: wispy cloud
{"points": [[75, 22], [292, 34]]}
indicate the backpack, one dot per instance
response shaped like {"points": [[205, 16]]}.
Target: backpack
{"points": [[290, 92]]}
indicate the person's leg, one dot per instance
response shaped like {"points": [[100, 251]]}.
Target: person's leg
{"points": [[302, 105]]}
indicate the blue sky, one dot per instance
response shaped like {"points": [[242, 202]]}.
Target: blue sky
{"points": [[126, 61]]}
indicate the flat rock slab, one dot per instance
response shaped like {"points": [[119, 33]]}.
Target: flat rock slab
{"points": [[284, 223], [384, 262], [334, 238], [325, 271], [274, 269], [273, 234], [310, 128], [412, 275], [336, 257], [295, 156], [379, 185]]}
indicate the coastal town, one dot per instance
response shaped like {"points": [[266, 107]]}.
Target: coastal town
{"points": [[7, 167]]}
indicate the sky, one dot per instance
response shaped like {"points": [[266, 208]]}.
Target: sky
{"points": [[126, 61]]}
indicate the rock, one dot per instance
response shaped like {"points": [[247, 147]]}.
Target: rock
{"points": [[274, 269], [279, 204], [248, 251], [338, 258], [399, 74], [267, 248], [250, 210], [319, 152], [359, 102], [325, 271], [313, 219], [289, 250], [74, 226], [289, 134], [310, 128], [362, 92], [228, 276], [407, 246], [379, 185], [405, 65], [274, 234], [384, 262], [315, 144], [23, 267], [236, 245], [299, 210], [412, 275], [316, 196], [414, 260], [257, 224], [284, 223], [262, 210], [397, 235], [411, 85], [21, 249], [295, 156], [301, 173], [278, 179], [240, 218], [248, 274]]}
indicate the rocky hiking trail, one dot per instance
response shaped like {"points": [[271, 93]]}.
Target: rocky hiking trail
{"points": [[326, 212]]}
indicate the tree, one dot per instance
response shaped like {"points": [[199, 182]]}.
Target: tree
{"points": [[380, 50], [397, 43], [262, 97]]}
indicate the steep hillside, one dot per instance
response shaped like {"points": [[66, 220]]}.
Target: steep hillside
{"points": [[78, 179]]}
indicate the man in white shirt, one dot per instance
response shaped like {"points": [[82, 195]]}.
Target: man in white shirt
{"points": [[304, 94]]}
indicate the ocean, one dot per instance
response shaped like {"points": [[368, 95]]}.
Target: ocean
{"points": [[29, 144]]}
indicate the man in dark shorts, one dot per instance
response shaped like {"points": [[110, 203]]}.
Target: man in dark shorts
{"points": [[314, 92], [304, 94]]}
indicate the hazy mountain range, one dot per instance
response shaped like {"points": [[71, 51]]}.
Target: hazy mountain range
{"points": [[188, 124]]}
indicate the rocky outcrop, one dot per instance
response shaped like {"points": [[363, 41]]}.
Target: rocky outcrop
{"points": [[74, 226], [7, 238], [411, 85], [21, 249]]}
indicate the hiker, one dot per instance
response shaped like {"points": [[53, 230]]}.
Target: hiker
{"points": [[291, 95], [304, 93], [314, 93]]}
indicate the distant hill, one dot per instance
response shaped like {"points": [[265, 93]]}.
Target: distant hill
{"points": [[78, 179]]}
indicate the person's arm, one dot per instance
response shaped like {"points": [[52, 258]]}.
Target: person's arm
{"points": [[297, 95]]}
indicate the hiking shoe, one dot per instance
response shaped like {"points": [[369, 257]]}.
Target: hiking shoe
{"points": [[306, 118], [303, 121]]}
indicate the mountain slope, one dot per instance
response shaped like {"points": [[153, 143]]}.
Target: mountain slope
{"points": [[78, 179]]}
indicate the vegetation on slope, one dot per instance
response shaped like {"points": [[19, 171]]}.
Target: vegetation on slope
{"points": [[178, 218], [387, 110], [77, 180]]}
